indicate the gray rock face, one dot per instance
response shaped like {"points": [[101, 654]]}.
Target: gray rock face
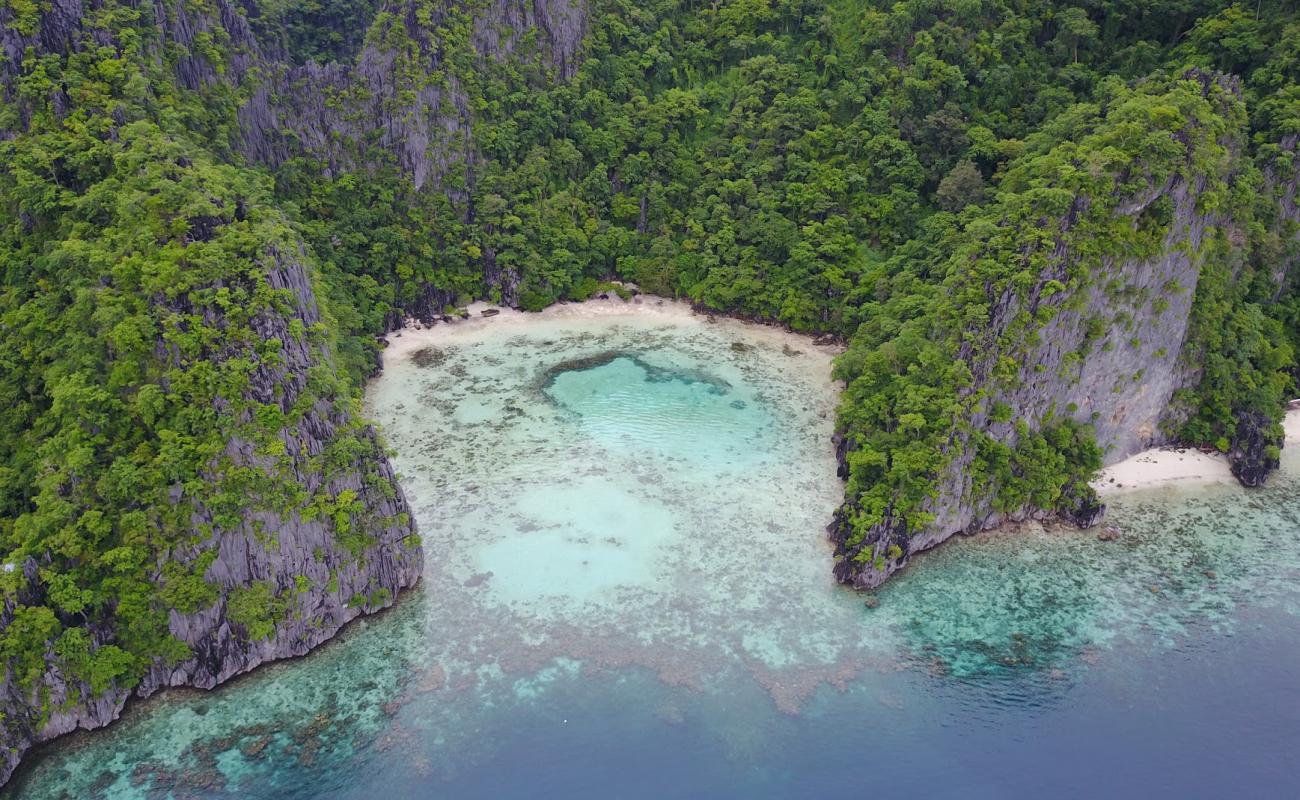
{"points": [[401, 99], [1282, 184], [1123, 387], [397, 104], [56, 32], [400, 105], [1255, 443], [322, 580], [394, 104], [1124, 394]]}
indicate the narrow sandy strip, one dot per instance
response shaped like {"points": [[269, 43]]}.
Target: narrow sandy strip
{"points": [[414, 335], [1183, 465]]}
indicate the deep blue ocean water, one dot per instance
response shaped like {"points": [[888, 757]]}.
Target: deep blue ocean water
{"points": [[628, 595]]}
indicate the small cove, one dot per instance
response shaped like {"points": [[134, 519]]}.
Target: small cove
{"points": [[627, 584]]}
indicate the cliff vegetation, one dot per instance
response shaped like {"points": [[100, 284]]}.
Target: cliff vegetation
{"points": [[1051, 234]]}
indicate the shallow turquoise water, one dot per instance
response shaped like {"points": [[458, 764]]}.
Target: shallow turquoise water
{"points": [[628, 592]]}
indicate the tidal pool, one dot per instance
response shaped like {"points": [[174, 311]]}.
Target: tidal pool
{"points": [[627, 593]]}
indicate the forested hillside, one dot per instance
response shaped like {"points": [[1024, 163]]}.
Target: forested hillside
{"points": [[842, 168], [1050, 234]]}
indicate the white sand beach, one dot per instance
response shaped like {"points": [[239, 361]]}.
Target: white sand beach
{"points": [[1167, 465], [645, 307]]}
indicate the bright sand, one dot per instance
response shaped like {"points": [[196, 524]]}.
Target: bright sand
{"points": [[1163, 466]]}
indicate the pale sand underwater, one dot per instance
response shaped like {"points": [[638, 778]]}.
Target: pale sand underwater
{"points": [[1153, 468]]}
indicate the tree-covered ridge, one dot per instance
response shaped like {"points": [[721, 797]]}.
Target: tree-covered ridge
{"points": [[947, 381], [938, 183], [835, 166], [749, 157], [162, 365]]}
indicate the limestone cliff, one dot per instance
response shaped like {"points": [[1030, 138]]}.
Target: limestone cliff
{"points": [[403, 100], [1107, 357], [1256, 440], [287, 575], [397, 99], [1282, 193], [309, 578]]}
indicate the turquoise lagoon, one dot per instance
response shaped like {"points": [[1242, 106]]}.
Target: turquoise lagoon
{"points": [[627, 594]]}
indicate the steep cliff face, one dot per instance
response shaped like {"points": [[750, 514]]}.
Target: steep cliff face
{"points": [[326, 570], [56, 30], [1053, 338], [1282, 184], [285, 579], [321, 532], [402, 98], [1095, 346], [405, 100], [1124, 392], [1124, 389], [1281, 195], [1256, 440]]}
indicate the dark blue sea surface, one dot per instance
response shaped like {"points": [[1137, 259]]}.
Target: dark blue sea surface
{"points": [[1216, 716]]}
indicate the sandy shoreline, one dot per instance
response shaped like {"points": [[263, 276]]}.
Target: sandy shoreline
{"points": [[1165, 466], [414, 335]]}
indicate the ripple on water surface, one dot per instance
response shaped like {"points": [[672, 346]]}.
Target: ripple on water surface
{"points": [[622, 512]]}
